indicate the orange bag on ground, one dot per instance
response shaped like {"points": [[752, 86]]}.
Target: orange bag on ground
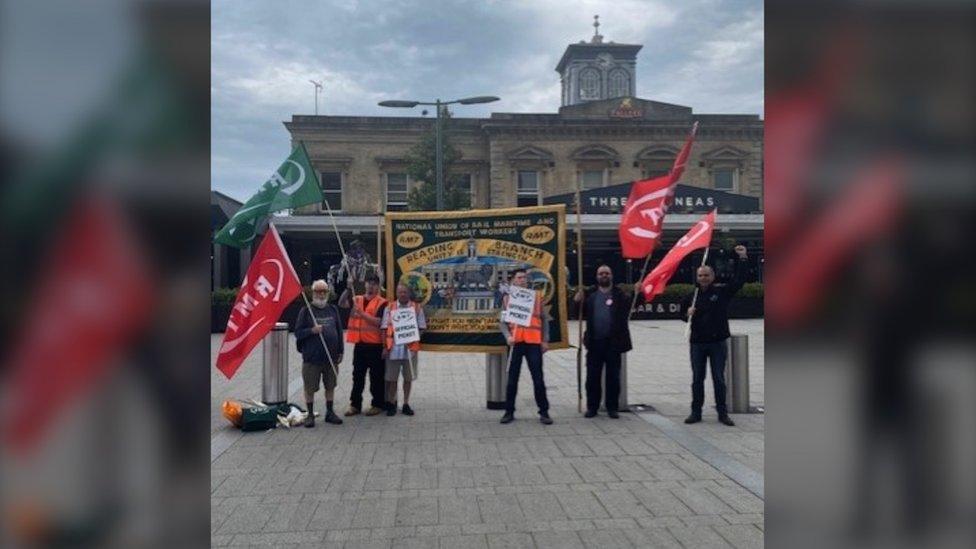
{"points": [[233, 411]]}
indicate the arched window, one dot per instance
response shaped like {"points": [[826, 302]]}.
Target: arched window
{"points": [[589, 84], [619, 84]]}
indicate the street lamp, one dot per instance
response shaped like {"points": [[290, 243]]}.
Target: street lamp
{"points": [[439, 153]]}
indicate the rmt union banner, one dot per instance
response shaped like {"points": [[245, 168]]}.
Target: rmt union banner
{"points": [[458, 264]]}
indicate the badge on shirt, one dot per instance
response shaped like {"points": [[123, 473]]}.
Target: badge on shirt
{"points": [[609, 301]]}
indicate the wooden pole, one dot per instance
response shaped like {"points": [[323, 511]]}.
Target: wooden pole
{"points": [[579, 280], [315, 322], [694, 298], [633, 300]]}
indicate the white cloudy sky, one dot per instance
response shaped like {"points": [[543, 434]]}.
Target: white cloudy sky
{"points": [[707, 54]]}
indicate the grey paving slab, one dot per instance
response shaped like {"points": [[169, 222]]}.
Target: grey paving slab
{"points": [[452, 476]]}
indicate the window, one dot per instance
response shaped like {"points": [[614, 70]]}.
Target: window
{"points": [[591, 179], [589, 84], [396, 192], [528, 188], [463, 183], [651, 172], [332, 191], [619, 84], [723, 179]]}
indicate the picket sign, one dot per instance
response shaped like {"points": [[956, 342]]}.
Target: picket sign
{"points": [[405, 328], [521, 303]]}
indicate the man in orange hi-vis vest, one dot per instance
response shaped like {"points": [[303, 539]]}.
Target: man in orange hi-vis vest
{"points": [[530, 342], [401, 359], [365, 315]]}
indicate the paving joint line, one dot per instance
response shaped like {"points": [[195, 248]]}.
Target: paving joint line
{"points": [[707, 452]]}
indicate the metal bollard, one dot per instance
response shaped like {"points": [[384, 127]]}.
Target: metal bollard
{"points": [[622, 404], [495, 380], [274, 371], [737, 374]]}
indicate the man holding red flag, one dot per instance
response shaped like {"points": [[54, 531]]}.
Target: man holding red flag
{"points": [[707, 309], [269, 286], [708, 312]]}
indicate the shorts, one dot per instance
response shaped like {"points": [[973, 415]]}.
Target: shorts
{"points": [[395, 367], [315, 375]]}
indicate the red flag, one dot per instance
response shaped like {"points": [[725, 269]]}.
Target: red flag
{"points": [[95, 297], [700, 236], [648, 202], [269, 286]]}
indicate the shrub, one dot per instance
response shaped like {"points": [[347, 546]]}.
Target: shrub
{"points": [[751, 290]]}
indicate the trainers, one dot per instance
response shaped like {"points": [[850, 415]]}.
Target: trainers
{"points": [[310, 420], [613, 414], [724, 418], [545, 419], [407, 410], [590, 413], [693, 418], [351, 411], [508, 418], [373, 410]]}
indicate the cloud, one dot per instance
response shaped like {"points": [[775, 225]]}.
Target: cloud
{"points": [[701, 53]]}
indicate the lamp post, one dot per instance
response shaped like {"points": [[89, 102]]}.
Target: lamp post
{"points": [[438, 139]]}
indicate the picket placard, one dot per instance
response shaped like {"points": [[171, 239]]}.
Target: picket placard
{"points": [[405, 329], [521, 303]]}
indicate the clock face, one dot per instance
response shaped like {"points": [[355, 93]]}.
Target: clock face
{"points": [[605, 60]]}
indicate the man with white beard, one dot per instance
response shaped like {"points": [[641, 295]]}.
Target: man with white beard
{"points": [[318, 366]]}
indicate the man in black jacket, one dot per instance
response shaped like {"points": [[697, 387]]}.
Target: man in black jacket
{"points": [[709, 332], [607, 337], [318, 366]]}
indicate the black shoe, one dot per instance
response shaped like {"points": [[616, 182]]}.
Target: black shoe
{"points": [[724, 418], [407, 410], [545, 419], [310, 420], [590, 413], [508, 418], [391, 409], [693, 418], [613, 414], [330, 417]]}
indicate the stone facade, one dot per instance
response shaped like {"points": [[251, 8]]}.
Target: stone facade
{"points": [[600, 138], [623, 139]]}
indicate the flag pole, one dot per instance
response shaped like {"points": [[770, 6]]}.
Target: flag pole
{"points": [[321, 337], [316, 323], [633, 301], [694, 298], [579, 279]]}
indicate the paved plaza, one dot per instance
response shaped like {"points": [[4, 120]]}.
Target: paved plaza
{"points": [[453, 477]]}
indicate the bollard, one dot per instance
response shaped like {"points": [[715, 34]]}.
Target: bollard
{"points": [[274, 372], [737, 374], [622, 404], [495, 380]]}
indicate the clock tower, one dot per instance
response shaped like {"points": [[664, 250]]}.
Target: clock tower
{"points": [[597, 70]]}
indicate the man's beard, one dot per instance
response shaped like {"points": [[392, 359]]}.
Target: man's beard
{"points": [[604, 283], [320, 303]]}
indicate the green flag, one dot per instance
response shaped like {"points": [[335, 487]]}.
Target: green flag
{"points": [[294, 184]]}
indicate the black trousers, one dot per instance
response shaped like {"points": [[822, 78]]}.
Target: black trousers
{"points": [[367, 358], [599, 355], [533, 355], [715, 353]]}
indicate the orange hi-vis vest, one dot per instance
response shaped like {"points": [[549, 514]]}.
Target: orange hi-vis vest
{"points": [[533, 332], [413, 346], [359, 331]]}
